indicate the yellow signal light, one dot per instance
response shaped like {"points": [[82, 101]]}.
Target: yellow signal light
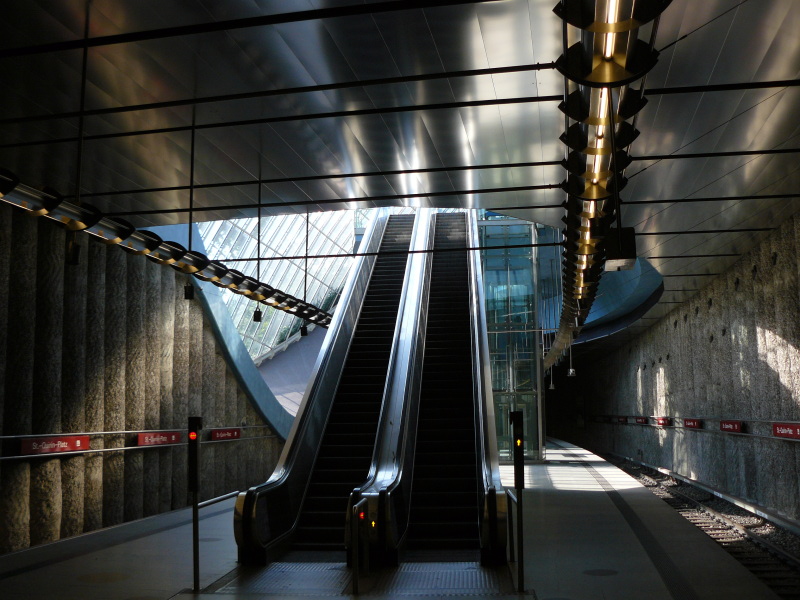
{"points": [[519, 442]]}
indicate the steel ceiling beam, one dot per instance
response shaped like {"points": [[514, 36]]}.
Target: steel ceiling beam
{"points": [[689, 256], [371, 82], [234, 24], [391, 252], [765, 152], [715, 199], [167, 211], [690, 231], [308, 89], [349, 113], [543, 163], [224, 184], [723, 87], [291, 118], [407, 196]]}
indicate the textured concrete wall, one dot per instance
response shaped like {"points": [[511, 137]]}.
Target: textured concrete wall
{"points": [[731, 352], [108, 345]]}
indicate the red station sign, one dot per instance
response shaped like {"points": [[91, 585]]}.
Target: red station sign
{"points": [[693, 423], [54, 444], [664, 421], [731, 426], [641, 420], [622, 419], [159, 438], [230, 433], [786, 430]]}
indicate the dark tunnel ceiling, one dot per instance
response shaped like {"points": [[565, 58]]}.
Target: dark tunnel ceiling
{"points": [[460, 85]]}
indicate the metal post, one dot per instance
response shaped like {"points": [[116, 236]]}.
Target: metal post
{"points": [[519, 484], [355, 548], [357, 520], [195, 543], [193, 471], [520, 554], [511, 551]]}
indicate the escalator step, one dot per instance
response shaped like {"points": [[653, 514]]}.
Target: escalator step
{"points": [[347, 445], [444, 503]]}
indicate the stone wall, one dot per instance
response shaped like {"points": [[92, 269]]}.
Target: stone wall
{"points": [[108, 345], [731, 352]]}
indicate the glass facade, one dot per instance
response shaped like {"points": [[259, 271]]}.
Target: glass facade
{"points": [[548, 266], [515, 315], [509, 277], [283, 265], [282, 236]]}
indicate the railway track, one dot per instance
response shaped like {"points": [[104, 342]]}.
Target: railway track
{"points": [[772, 554]]}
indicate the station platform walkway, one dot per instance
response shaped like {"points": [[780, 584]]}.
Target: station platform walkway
{"points": [[591, 533]]}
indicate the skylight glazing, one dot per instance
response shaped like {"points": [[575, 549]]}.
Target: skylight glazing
{"points": [[231, 241]]}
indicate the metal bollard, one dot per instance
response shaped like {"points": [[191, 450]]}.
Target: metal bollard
{"points": [[195, 427], [519, 484]]}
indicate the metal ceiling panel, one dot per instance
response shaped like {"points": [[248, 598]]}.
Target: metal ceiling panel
{"points": [[727, 42]]}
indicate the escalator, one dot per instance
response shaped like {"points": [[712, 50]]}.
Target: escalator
{"points": [[346, 448], [444, 511], [398, 411]]}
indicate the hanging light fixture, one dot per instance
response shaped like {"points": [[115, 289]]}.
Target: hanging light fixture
{"points": [[603, 56]]}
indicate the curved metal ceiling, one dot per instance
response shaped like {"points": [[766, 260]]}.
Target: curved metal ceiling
{"points": [[344, 104]]}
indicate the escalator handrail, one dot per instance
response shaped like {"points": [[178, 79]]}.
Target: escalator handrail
{"points": [[253, 528], [486, 436], [393, 457]]}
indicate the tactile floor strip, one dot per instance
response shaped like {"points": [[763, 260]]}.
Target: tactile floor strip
{"points": [[428, 579], [441, 579], [304, 579]]}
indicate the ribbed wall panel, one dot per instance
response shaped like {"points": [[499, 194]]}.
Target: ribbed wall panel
{"points": [[136, 342], [152, 383], [180, 388], [5, 247], [728, 353], [73, 386], [94, 368], [18, 399], [107, 345], [236, 468], [115, 360], [46, 499], [208, 376], [166, 407]]}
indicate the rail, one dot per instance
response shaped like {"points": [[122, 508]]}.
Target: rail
{"points": [[218, 499], [11, 451], [516, 555], [386, 489], [494, 508]]}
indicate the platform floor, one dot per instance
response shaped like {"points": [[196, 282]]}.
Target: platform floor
{"points": [[591, 533]]}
